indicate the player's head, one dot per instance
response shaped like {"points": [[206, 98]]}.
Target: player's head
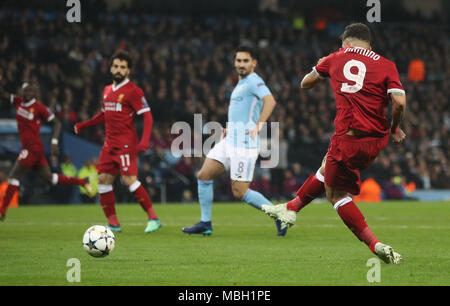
{"points": [[356, 33], [121, 64], [244, 60], [29, 91]]}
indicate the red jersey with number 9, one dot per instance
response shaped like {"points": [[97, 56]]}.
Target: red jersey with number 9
{"points": [[29, 117], [120, 104], [361, 80]]}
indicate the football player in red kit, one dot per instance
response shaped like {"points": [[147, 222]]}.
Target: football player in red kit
{"points": [[122, 101], [30, 113], [363, 83]]}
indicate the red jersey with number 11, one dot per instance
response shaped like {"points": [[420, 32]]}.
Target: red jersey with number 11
{"points": [[120, 104], [361, 80]]}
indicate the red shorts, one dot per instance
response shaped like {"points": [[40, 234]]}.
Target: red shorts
{"points": [[346, 156], [32, 158], [113, 161]]}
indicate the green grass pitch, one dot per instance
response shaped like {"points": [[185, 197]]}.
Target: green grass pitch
{"points": [[37, 241]]}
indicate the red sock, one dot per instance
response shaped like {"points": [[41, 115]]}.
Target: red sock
{"points": [[355, 221], [107, 200], [143, 198], [10, 191], [311, 189], [69, 180]]}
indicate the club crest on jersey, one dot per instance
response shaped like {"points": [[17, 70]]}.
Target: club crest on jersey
{"points": [[240, 88], [119, 100]]}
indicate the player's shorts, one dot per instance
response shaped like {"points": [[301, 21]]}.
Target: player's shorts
{"points": [[240, 161], [31, 158], [115, 160], [346, 156]]}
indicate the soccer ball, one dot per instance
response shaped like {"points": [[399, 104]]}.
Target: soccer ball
{"points": [[98, 241]]}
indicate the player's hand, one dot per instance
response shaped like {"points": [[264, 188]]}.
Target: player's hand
{"points": [[54, 149], [142, 147], [224, 134], [398, 136], [254, 131], [77, 128]]}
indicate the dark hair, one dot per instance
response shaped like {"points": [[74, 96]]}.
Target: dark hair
{"points": [[247, 49], [357, 30], [123, 56]]}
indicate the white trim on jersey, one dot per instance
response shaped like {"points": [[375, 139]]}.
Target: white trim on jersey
{"points": [[29, 103], [51, 117], [143, 110], [395, 90], [120, 85], [318, 74]]}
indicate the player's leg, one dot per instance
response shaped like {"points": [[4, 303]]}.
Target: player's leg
{"points": [[17, 172], [242, 166], [355, 221], [45, 173], [211, 168], [108, 199], [342, 179], [312, 188], [141, 196]]}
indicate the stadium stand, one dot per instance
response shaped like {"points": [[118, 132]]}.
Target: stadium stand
{"points": [[184, 65]]}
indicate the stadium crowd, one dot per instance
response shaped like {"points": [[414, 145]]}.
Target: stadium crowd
{"points": [[185, 66]]}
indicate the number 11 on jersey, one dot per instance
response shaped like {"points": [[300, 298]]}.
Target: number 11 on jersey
{"points": [[125, 159]]}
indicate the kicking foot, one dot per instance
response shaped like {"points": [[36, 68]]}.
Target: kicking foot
{"points": [[114, 228], [152, 225], [204, 228], [387, 253], [280, 212]]}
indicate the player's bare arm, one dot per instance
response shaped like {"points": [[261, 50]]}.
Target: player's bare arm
{"points": [[312, 79], [398, 112], [56, 123], [268, 107]]}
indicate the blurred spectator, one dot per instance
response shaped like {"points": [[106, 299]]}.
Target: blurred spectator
{"points": [[370, 192], [89, 171], [416, 70], [290, 185], [184, 66]]}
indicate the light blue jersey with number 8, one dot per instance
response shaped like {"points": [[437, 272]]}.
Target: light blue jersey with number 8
{"points": [[245, 108]]}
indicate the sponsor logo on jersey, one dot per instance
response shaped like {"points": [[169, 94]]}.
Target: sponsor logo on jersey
{"points": [[25, 114], [113, 106]]}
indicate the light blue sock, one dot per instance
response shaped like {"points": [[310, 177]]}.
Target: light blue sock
{"points": [[255, 199], [205, 197]]}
